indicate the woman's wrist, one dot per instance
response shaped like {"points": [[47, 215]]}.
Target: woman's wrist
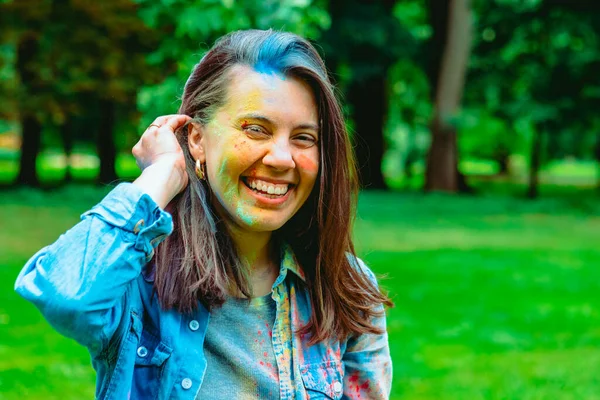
{"points": [[162, 181]]}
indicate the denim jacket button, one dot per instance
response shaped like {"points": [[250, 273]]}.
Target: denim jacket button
{"points": [[194, 325], [337, 387], [186, 383], [142, 351]]}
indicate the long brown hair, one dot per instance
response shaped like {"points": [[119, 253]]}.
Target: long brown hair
{"points": [[199, 262]]}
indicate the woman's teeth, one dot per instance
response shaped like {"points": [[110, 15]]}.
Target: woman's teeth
{"points": [[269, 188]]}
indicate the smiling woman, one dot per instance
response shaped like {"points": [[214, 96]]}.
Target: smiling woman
{"points": [[227, 269], [251, 145]]}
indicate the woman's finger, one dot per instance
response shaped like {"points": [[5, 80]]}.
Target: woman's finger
{"points": [[176, 121], [160, 121], [159, 139]]}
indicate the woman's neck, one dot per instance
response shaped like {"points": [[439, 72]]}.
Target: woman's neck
{"points": [[255, 249]]}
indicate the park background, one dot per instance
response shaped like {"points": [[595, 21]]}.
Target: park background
{"points": [[477, 132]]}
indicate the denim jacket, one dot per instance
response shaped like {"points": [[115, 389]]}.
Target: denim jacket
{"points": [[92, 285]]}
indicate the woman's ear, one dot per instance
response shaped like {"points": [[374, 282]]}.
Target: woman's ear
{"points": [[196, 141]]}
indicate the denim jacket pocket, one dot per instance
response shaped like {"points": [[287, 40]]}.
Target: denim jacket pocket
{"points": [[322, 380], [150, 358]]}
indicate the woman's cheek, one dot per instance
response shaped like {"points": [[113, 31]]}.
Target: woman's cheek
{"points": [[308, 164]]}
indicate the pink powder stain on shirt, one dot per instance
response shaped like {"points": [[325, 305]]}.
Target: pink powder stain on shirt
{"points": [[357, 389], [273, 372]]}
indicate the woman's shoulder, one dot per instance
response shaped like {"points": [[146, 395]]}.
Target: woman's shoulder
{"points": [[359, 265]]}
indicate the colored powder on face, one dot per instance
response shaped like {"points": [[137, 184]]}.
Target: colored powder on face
{"points": [[245, 216], [229, 193], [215, 127], [307, 163], [253, 103], [223, 167]]}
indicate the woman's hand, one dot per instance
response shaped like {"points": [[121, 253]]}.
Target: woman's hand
{"points": [[161, 159]]}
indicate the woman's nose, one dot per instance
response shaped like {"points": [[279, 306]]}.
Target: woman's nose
{"points": [[279, 156]]}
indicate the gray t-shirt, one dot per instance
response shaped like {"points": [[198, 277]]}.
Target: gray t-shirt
{"points": [[239, 351]]}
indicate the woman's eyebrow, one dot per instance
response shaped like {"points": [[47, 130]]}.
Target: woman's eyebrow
{"points": [[262, 118], [256, 117], [313, 127]]}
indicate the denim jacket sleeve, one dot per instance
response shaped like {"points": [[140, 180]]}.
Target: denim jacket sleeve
{"points": [[367, 361], [79, 281]]}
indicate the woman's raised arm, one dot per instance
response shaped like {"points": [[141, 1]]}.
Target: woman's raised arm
{"points": [[79, 283]]}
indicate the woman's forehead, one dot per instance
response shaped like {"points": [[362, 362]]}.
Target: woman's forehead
{"points": [[251, 91]]}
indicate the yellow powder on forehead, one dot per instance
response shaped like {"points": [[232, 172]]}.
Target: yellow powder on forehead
{"points": [[253, 101]]}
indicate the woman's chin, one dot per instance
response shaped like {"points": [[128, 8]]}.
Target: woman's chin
{"points": [[262, 225]]}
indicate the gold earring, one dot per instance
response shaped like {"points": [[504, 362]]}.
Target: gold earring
{"points": [[200, 172]]}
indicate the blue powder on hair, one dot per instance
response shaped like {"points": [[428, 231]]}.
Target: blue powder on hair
{"points": [[264, 67], [272, 54]]}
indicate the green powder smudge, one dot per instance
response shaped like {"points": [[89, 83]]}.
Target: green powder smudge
{"points": [[247, 218]]}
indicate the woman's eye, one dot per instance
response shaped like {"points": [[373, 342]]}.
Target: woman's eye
{"points": [[254, 129], [305, 140]]}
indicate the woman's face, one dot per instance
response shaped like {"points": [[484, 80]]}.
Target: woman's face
{"points": [[261, 149]]}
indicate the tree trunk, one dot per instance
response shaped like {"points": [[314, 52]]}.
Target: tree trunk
{"points": [[442, 161], [502, 158], [597, 154], [503, 166], [30, 148], [441, 173], [68, 131], [105, 142], [31, 128], [366, 93], [534, 165], [368, 98]]}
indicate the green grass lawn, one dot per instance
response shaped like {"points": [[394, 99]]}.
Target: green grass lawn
{"points": [[496, 297]]}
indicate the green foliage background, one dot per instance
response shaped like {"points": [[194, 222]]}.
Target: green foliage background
{"points": [[496, 296]]}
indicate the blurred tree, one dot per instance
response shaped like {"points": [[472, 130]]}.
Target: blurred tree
{"points": [[523, 58], [188, 28], [31, 126], [597, 157], [407, 126], [26, 34], [486, 136], [91, 59], [450, 48], [84, 51], [104, 69], [364, 41]]}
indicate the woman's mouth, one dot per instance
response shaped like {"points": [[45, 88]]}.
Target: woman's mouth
{"points": [[267, 189]]}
